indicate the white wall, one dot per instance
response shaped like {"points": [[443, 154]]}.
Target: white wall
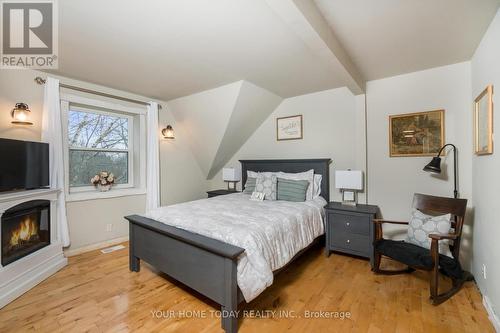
{"points": [[392, 181], [203, 117], [181, 178], [486, 174], [330, 131], [180, 175], [218, 121]]}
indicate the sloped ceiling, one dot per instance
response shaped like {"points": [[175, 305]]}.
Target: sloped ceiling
{"points": [[391, 37], [169, 49], [204, 117], [219, 121]]}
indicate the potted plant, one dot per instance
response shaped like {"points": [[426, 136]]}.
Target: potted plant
{"points": [[103, 181]]}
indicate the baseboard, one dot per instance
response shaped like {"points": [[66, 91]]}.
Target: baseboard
{"points": [[30, 279], [96, 246], [491, 314]]}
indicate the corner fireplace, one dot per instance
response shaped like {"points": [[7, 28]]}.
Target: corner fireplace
{"points": [[25, 229]]}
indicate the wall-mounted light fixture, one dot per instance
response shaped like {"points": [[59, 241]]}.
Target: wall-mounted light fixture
{"points": [[168, 132], [434, 166], [21, 114]]}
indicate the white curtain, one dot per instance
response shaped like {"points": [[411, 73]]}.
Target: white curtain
{"points": [[153, 159], [52, 134]]}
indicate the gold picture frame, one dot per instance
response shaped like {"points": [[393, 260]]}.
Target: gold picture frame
{"points": [[289, 128], [416, 134], [483, 122]]}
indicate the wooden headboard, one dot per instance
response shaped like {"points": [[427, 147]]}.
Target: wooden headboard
{"points": [[321, 166]]}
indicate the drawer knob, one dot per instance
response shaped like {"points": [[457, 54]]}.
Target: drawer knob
{"points": [[348, 241], [348, 224]]}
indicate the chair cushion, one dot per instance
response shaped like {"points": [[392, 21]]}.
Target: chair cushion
{"points": [[418, 257]]}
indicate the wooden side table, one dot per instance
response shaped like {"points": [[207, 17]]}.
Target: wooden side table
{"points": [[349, 229]]}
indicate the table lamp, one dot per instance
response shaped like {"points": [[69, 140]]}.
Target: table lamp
{"points": [[349, 182], [230, 175]]}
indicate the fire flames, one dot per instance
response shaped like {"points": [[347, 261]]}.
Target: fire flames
{"points": [[26, 230]]}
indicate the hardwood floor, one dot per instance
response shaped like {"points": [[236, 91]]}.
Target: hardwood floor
{"points": [[97, 293]]}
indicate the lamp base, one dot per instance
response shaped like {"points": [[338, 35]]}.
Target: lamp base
{"points": [[234, 185], [349, 198]]}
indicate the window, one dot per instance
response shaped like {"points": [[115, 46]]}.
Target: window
{"points": [[102, 136], [98, 141]]}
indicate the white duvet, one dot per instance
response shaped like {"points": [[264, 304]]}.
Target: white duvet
{"points": [[271, 232]]}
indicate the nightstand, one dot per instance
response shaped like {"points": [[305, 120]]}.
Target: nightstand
{"points": [[215, 193], [349, 229]]}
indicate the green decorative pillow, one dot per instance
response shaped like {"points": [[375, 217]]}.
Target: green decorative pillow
{"points": [[250, 185], [292, 190]]}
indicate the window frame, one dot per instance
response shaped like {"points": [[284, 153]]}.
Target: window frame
{"points": [[130, 150], [136, 146]]}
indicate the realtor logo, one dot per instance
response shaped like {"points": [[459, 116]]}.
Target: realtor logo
{"points": [[29, 34]]}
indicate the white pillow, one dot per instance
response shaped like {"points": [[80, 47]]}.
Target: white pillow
{"points": [[317, 186], [422, 225], [307, 175], [252, 174]]}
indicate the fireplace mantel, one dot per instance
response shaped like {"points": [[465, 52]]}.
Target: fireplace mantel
{"points": [[9, 197], [21, 275]]}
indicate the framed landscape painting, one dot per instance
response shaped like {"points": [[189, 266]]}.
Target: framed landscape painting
{"points": [[416, 134], [289, 128]]}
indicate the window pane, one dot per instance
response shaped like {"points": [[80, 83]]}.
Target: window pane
{"points": [[94, 130], [84, 164]]}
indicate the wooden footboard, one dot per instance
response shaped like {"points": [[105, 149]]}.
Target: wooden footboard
{"points": [[202, 263]]}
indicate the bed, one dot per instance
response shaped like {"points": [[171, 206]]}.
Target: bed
{"points": [[206, 264]]}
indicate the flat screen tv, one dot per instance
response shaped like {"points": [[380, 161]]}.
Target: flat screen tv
{"points": [[23, 165]]}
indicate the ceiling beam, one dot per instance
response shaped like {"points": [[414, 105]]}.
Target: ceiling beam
{"points": [[305, 19]]}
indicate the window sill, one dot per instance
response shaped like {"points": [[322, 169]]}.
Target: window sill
{"points": [[96, 195]]}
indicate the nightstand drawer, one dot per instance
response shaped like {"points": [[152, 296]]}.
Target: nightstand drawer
{"points": [[350, 224], [353, 242]]}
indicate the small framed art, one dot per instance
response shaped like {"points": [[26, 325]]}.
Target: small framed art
{"points": [[289, 128]]}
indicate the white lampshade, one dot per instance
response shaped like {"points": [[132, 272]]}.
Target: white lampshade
{"points": [[230, 175], [349, 179]]}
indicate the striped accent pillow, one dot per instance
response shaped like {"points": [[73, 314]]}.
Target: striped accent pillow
{"points": [[250, 185], [292, 190]]}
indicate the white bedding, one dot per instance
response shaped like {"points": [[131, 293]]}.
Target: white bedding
{"points": [[271, 232]]}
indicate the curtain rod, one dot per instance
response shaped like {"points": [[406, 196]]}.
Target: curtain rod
{"points": [[42, 81]]}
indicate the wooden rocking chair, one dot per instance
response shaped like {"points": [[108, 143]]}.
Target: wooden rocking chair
{"points": [[416, 257]]}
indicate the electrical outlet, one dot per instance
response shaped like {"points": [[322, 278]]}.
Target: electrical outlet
{"points": [[483, 271], [109, 227]]}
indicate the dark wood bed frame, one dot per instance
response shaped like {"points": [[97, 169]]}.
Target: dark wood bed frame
{"points": [[204, 264]]}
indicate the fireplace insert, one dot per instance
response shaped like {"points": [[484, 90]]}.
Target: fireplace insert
{"points": [[25, 229]]}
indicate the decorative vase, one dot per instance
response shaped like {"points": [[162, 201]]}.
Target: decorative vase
{"points": [[104, 188]]}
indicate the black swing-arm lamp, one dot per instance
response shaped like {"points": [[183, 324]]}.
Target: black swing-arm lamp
{"points": [[434, 166]]}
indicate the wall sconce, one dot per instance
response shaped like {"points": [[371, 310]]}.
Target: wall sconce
{"points": [[21, 114], [168, 132]]}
